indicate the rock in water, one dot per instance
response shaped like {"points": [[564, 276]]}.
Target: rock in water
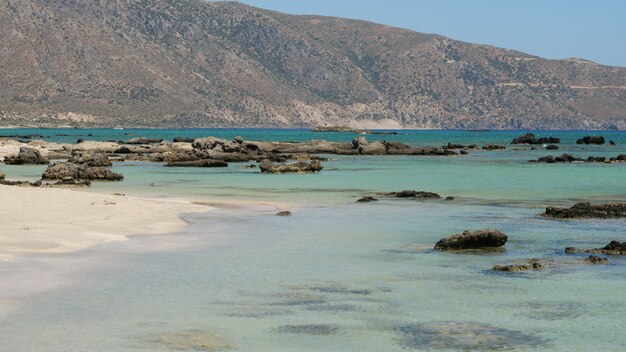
{"points": [[531, 264], [89, 158], [299, 167], [142, 140], [26, 156], [412, 194], [587, 210], [66, 171], [613, 248], [591, 140], [487, 238], [198, 163], [493, 147], [594, 259], [367, 200], [284, 213]]}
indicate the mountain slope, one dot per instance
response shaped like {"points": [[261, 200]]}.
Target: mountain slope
{"points": [[189, 63]]}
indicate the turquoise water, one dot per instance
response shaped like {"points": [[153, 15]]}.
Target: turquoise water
{"points": [[338, 276]]}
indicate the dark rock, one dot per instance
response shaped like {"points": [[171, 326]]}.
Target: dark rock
{"points": [[183, 140], [123, 150], [251, 166], [528, 138], [198, 163], [552, 147], [463, 152], [284, 213], [26, 156], [449, 198], [587, 210], [79, 140], [613, 248], [20, 183], [594, 259], [267, 166], [65, 171], [142, 140], [493, 147], [591, 140], [2, 176], [412, 194], [238, 139], [473, 240], [367, 200], [611, 142], [531, 264], [90, 135]]}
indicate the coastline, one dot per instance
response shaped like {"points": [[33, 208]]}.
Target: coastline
{"points": [[54, 220]]}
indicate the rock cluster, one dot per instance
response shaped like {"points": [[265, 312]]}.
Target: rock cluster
{"points": [[299, 167], [568, 158], [412, 194]]}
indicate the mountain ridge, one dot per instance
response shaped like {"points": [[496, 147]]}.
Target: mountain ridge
{"points": [[189, 63]]}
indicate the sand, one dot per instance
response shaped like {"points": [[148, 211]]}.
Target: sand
{"points": [[53, 220]]}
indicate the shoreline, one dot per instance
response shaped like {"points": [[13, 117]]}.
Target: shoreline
{"points": [[57, 220]]}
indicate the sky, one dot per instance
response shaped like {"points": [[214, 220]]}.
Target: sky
{"points": [[594, 29]]}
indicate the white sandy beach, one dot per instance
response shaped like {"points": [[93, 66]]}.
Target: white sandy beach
{"points": [[52, 220]]}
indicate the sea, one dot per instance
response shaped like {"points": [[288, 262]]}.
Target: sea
{"points": [[337, 275]]}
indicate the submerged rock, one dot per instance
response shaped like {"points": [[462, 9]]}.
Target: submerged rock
{"points": [[594, 259], [267, 166], [591, 140], [613, 248], [587, 210], [464, 336], [198, 163], [26, 155], [530, 264], [487, 238], [309, 329]]}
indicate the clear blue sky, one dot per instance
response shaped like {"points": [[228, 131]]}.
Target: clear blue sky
{"points": [[593, 29]]}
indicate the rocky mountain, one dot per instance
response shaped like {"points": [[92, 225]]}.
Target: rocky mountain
{"points": [[191, 63]]}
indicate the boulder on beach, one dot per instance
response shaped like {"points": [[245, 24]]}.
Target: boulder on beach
{"points": [[487, 238], [26, 155], [198, 163], [299, 167], [587, 210], [412, 194], [66, 171], [591, 140], [613, 248]]}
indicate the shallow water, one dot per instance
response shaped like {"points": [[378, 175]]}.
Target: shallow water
{"points": [[338, 276]]}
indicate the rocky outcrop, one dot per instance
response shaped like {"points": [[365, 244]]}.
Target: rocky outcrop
{"points": [[613, 248], [412, 194], [67, 171], [26, 156], [591, 140], [529, 138], [487, 238], [586, 210], [299, 167], [89, 158], [198, 163]]}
